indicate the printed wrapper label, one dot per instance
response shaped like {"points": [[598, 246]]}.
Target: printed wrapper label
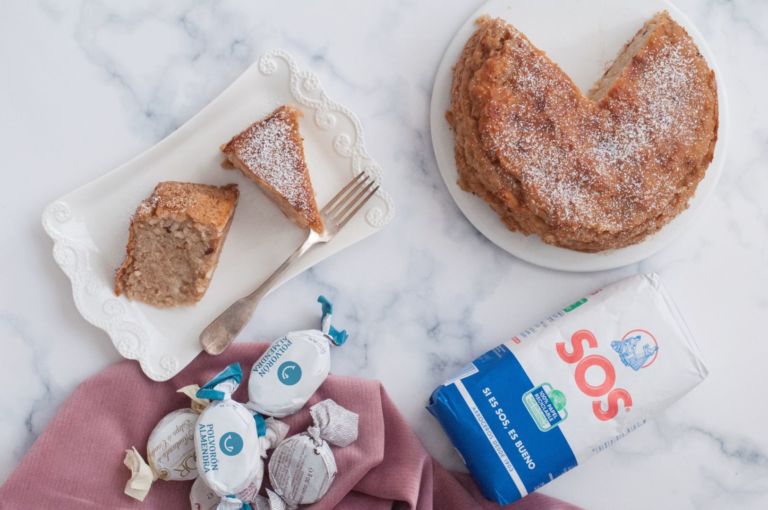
{"points": [[171, 446], [300, 471], [303, 467], [284, 378], [229, 450], [568, 387], [170, 454]]}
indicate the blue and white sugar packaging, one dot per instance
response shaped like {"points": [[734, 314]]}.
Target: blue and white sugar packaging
{"points": [[295, 365], [231, 441], [568, 387]]}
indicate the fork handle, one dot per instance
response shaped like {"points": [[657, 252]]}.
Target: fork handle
{"points": [[224, 329]]}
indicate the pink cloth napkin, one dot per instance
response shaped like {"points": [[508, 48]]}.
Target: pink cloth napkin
{"points": [[77, 462]]}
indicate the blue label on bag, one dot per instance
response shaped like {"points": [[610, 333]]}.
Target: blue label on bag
{"points": [[504, 426], [546, 406]]}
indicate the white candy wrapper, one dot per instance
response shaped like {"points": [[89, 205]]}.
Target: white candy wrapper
{"points": [[170, 450], [295, 365], [271, 502], [231, 442], [303, 467], [201, 497]]}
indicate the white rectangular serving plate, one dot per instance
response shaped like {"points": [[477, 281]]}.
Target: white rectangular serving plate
{"points": [[89, 226]]}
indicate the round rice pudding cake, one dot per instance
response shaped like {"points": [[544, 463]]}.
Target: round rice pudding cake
{"points": [[588, 172]]}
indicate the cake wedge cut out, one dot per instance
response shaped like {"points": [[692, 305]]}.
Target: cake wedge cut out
{"points": [[590, 171], [270, 152], [174, 243]]}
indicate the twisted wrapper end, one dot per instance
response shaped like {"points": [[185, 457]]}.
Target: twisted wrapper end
{"points": [[142, 475], [333, 423], [276, 432], [232, 503], [275, 501], [197, 404]]}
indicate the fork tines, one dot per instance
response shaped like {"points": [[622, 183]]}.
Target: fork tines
{"points": [[350, 199]]}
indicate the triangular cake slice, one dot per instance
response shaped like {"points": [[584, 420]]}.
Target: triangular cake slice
{"points": [[270, 152]]}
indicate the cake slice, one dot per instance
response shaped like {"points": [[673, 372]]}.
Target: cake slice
{"points": [[271, 153], [174, 243]]}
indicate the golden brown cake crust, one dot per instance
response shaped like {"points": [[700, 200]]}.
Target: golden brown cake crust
{"points": [[201, 203], [192, 221], [271, 153], [587, 173]]}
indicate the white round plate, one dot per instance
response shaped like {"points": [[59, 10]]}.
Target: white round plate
{"points": [[582, 37]]}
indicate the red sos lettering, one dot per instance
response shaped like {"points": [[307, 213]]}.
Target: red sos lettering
{"points": [[580, 341]]}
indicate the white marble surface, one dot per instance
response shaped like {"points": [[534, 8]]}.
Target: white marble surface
{"points": [[84, 85]]}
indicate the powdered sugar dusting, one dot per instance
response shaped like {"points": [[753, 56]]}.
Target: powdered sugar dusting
{"points": [[603, 166], [147, 206], [270, 150], [201, 203]]}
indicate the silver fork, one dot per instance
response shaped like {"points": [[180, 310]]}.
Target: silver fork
{"points": [[222, 331]]}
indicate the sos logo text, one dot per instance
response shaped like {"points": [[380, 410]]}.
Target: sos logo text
{"points": [[607, 399]]}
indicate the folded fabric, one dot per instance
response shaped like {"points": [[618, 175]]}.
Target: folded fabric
{"points": [[77, 462]]}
